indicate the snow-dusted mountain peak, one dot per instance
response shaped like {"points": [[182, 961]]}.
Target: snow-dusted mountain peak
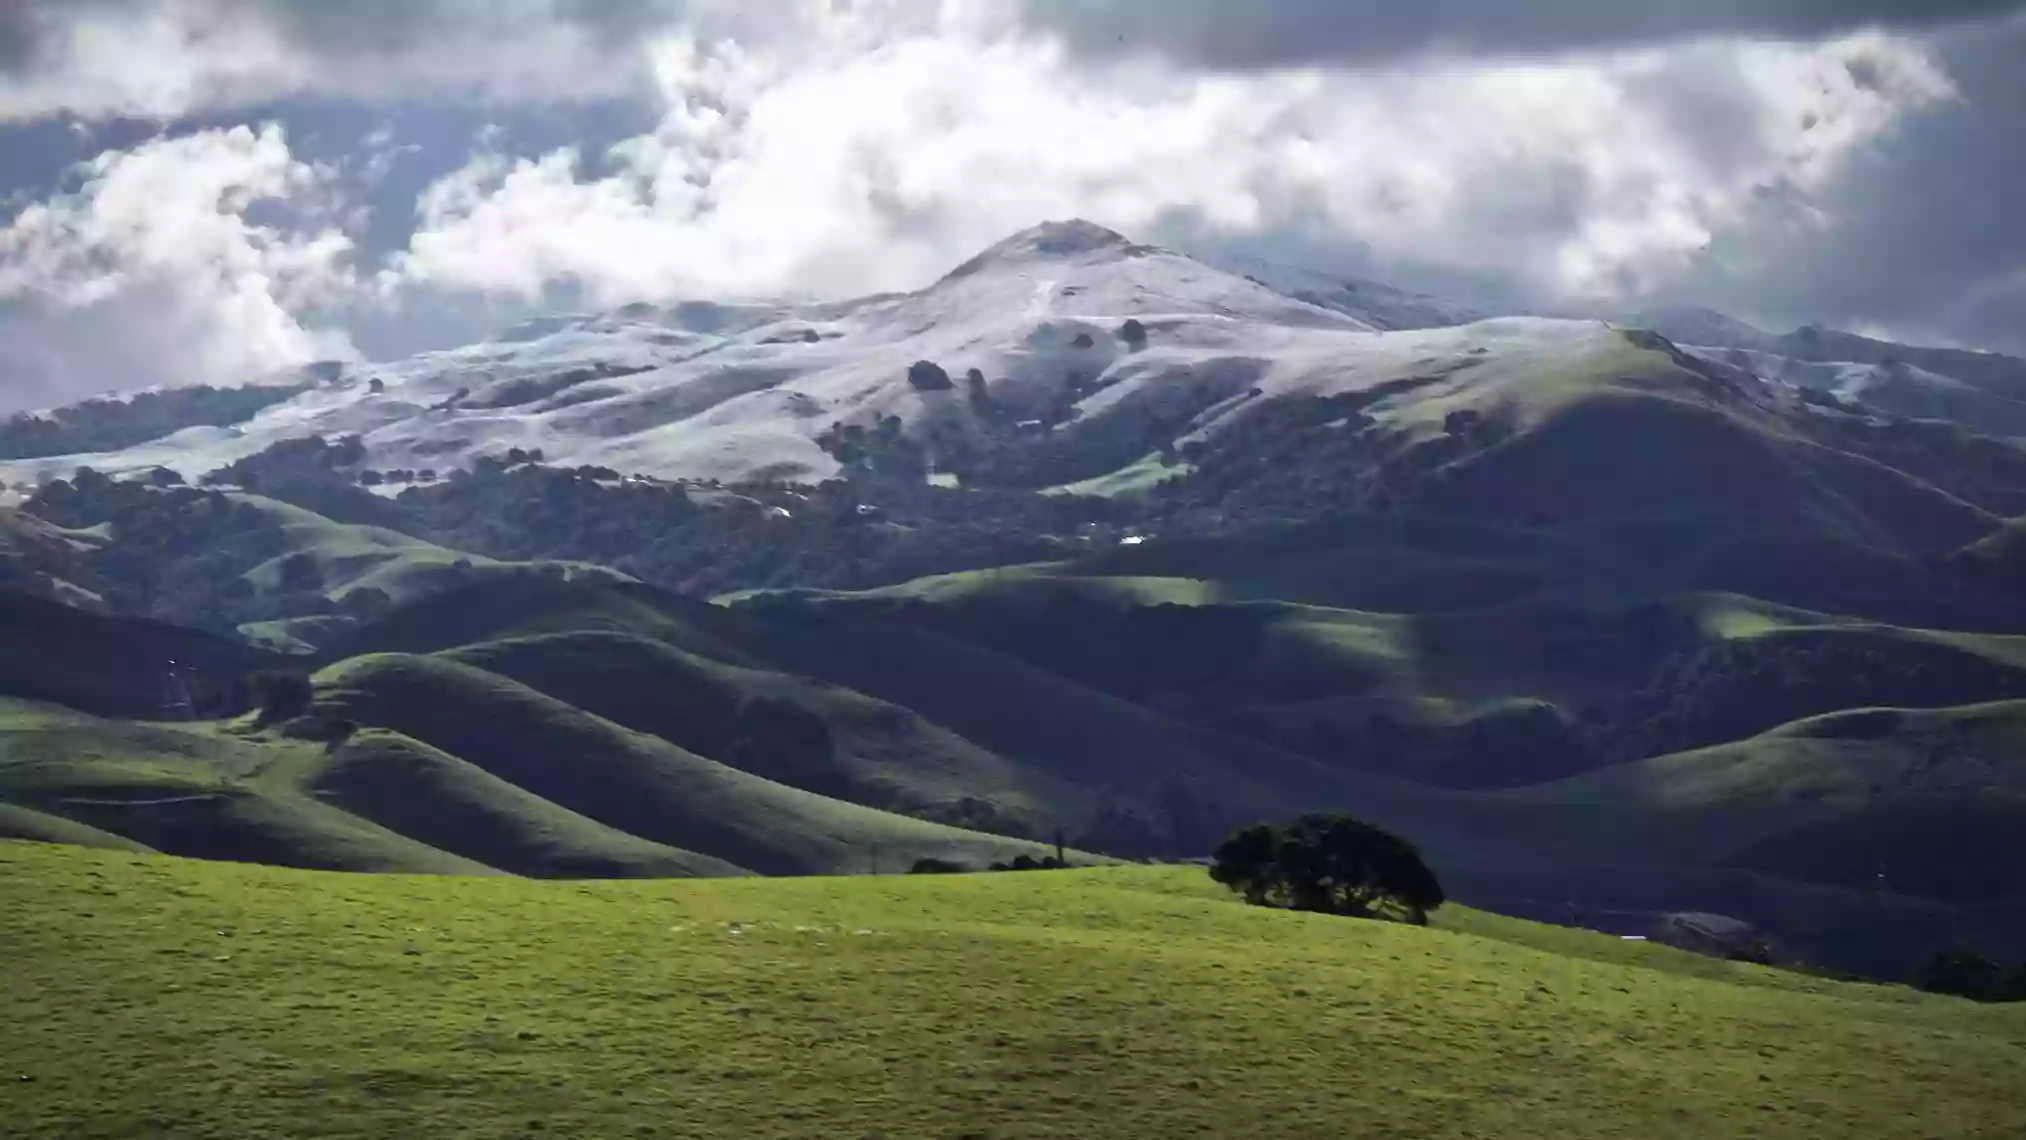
{"points": [[1074, 240]]}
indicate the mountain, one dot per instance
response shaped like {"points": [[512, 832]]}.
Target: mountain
{"points": [[1086, 540], [741, 393], [1374, 304]]}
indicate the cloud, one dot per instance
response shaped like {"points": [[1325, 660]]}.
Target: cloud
{"points": [[864, 157], [204, 250], [1568, 149], [1925, 237], [1283, 33], [169, 58]]}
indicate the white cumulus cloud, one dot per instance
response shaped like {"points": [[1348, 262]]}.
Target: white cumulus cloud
{"points": [[204, 250], [875, 151]]}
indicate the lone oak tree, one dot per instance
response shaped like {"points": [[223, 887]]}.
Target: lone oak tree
{"points": [[1331, 864]]}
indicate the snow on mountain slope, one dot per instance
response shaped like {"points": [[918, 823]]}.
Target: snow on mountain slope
{"points": [[709, 391], [1691, 325], [1378, 305], [737, 392]]}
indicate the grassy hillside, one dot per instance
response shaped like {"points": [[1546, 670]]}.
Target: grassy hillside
{"points": [[155, 994], [1921, 802], [409, 787], [194, 790], [913, 716], [1999, 558], [628, 780], [866, 750], [18, 822]]}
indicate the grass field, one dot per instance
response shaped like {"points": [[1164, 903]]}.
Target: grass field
{"points": [[151, 996]]}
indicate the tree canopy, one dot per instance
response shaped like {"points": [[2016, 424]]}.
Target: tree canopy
{"points": [[1331, 864]]}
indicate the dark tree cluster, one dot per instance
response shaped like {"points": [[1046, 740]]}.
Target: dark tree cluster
{"points": [[883, 450], [1030, 863], [1744, 686], [1330, 864], [1967, 974], [934, 866], [109, 425], [281, 696], [310, 459], [928, 376], [176, 553]]}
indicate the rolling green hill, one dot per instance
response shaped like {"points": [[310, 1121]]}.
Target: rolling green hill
{"points": [[865, 750], [637, 783], [194, 790], [1920, 802], [1999, 558], [157, 994], [411, 788], [551, 728], [381, 801]]}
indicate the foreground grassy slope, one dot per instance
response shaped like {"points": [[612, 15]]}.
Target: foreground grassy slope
{"points": [[155, 995]]}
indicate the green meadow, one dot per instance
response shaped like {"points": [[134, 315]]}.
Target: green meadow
{"points": [[150, 996]]}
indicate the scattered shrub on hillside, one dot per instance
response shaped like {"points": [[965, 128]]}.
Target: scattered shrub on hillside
{"points": [[282, 696], [1133, 333], [934, 866], [1330, 864], [1082, 340], [1461, 423], [928, 376], [301, 574], [1030, 863], [376, 385]]}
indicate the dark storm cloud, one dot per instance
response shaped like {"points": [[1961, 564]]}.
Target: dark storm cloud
{"points": [[1926, 233], [342, 28], [1270, 33], [365, 26]]}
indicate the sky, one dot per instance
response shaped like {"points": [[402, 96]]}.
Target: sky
{"points": [[213, 191]]}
